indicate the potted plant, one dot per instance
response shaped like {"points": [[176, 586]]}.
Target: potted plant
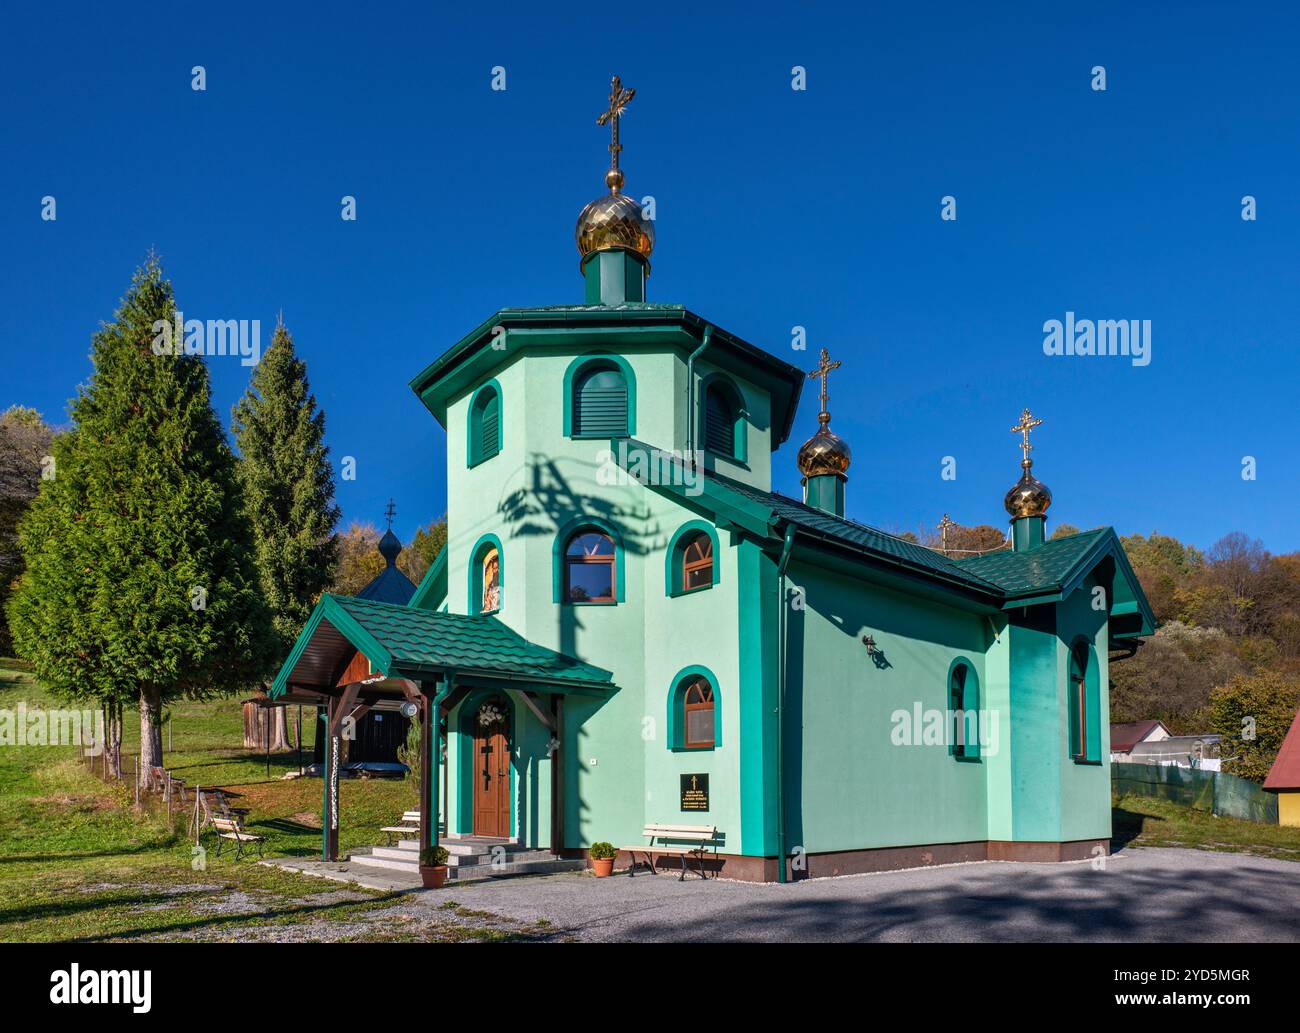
{"points": [[433, 867], [602, 858]]}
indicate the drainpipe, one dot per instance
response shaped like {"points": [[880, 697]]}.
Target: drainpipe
{"points": [[690, 391], [786, 549]]}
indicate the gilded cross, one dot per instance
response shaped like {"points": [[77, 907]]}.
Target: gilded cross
{"points": [[1026, 424], [618, 100], [390, 512], [823, 371]]}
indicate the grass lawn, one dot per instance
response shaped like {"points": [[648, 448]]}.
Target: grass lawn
{"points": [[1146, 821], [78, 862]]}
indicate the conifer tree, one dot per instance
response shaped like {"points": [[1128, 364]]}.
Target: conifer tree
{"points": [[141, 582], [288, 486]]}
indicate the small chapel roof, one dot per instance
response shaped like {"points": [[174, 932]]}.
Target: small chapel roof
{"points": [[390, 585], [404, 642]]}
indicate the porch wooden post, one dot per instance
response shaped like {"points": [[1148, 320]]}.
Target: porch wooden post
{"points": [[557, 776], [339, 709], [428, 768], [330, 815]]}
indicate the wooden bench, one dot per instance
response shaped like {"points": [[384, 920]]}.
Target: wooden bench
{"points": [[233, 829], [681, 841], [410, 826]]}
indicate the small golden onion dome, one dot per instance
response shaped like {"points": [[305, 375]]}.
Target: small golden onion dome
{"points": [[1029, 496], [614, 221], [825, 452]]}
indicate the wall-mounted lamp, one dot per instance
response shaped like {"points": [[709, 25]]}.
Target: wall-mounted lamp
{"points": [[408, 709], [870, 643]]}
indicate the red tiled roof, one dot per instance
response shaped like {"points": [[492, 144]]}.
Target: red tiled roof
{"points": [[1285, 772], [1123, 737]]}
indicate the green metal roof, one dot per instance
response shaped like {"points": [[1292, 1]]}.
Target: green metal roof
{"points": [[468, 361], [1046, 567], [404, 642], [852, 534], [1003, 579]]}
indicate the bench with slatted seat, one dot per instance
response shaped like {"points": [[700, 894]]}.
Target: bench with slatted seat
{"points": [[233, 829], [410, 826], [681, 841]]}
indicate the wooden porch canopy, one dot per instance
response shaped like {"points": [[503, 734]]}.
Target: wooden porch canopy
{"points": [[355, 654]]}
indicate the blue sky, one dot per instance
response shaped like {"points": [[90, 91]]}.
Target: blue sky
{"points": [[775, 207]]}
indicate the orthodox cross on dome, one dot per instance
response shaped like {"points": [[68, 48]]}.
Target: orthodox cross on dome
{"points": [[823, 370], [1026, 424], [619, 98], [390, 511]]}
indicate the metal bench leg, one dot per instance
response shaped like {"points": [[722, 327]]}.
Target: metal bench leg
{"points": [[682, 877]]}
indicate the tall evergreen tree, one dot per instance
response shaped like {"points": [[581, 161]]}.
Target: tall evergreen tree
{"points": [[288, 486], [141, 580], [24, 443]]}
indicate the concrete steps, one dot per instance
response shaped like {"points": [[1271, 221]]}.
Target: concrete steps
{"points": [[469, 859]]}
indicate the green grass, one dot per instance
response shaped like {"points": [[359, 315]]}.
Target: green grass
{"points": [[79, 863], [1147, 821]]}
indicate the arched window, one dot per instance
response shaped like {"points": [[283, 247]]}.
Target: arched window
{"points": [[723, 426], [693, 711], [691, 559], [1084, 700], [589, 568], [490, 580], [963, 706], [600, 402], [697, 561], [697, 715], [486, 576], [484, 424]]}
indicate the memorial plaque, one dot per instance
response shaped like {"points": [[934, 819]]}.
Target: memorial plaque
{"points": [[695, 792]]}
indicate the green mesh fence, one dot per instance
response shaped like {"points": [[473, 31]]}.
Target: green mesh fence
{"points": [[1214, 791]]}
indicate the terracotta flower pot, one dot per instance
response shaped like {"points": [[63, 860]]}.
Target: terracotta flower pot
{"points": [[433, 876], [602, 866]]}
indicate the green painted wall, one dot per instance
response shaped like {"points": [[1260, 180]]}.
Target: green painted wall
{"points": [[848, 784], [1085, 788], [1036, 717]]}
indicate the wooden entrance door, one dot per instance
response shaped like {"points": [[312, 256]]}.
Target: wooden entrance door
{"points": [[492, 769]]}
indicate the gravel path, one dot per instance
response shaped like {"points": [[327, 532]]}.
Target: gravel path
{"points": [[1141, 895]]}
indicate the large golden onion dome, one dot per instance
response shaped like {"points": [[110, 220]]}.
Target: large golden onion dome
{"points": [[825, 452], [1028, 496], [614, 221]]}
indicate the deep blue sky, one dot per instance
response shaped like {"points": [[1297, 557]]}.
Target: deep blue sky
{"points": [[775, 208]]}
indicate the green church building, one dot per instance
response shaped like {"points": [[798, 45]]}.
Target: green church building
{"points": [[628, 626]]}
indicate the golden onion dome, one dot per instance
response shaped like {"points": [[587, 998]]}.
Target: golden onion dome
{"points": [[614, 222], [1029, 496], [825, 452]]}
